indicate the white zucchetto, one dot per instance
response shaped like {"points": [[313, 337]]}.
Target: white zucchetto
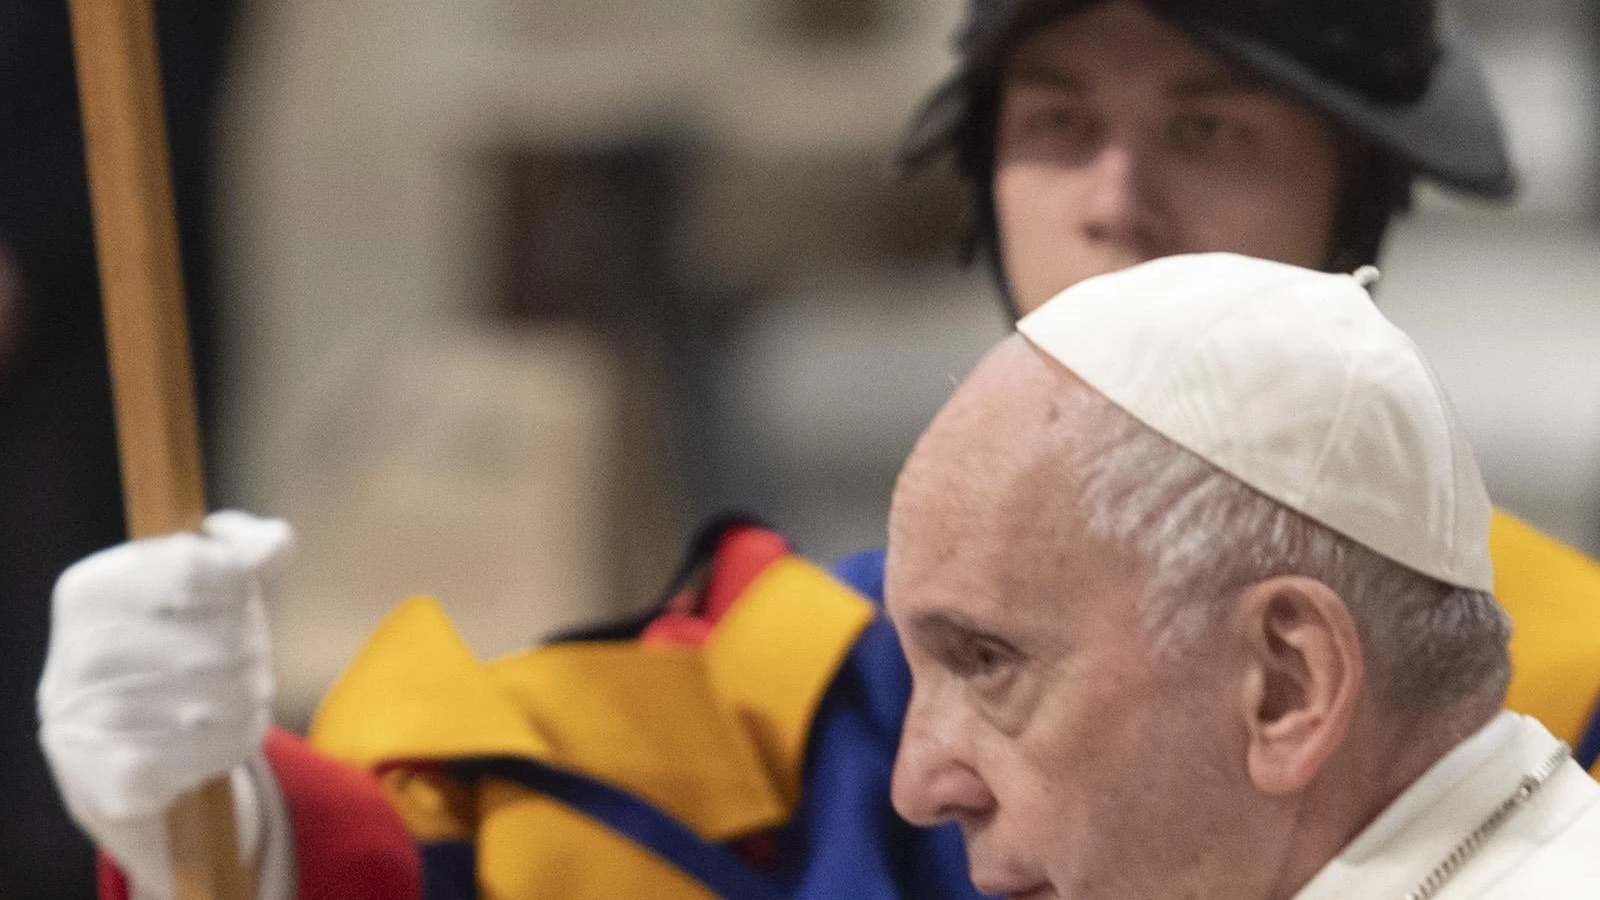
{"points": [[1294, 383]]}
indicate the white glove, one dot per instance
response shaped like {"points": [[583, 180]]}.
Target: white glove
{"points": [[158, 679]]}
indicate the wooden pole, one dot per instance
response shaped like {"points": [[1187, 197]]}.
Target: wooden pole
{"points": [[136, 236]]}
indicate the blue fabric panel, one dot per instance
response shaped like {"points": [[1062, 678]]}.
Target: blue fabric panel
{"points": [[876, 659], [712, 865], [1588, 750], [864, 572], [845, 839], [449, 871]]}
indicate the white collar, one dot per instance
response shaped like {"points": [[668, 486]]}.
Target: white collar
{"points": [[1432, 817]]}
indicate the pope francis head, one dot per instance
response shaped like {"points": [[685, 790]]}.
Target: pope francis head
{"points": [[1192, 578]]}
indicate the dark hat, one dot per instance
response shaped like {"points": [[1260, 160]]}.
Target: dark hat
{"points": [[1401, 73]]}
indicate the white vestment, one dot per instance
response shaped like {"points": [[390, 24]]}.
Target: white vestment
{"points": [[1548, 847]]}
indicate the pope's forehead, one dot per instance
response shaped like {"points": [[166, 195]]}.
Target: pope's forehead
{"points": [[1012, 404], [996, 457], [1015, 383], [986, 527]]}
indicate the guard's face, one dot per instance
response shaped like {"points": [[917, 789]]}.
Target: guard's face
{"points": [[1076, 763], [1121, 140]]}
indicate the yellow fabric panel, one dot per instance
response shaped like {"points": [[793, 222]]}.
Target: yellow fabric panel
{"points": [[715, 736], [530, 846], [1552, 594], [416, 692], [774, 654], [434, 808], [644, 719]]}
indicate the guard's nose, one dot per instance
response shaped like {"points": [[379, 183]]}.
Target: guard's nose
{"points": [[1118, 207]]}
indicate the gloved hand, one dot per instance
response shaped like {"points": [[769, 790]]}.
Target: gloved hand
{"points": [[159, 678]]}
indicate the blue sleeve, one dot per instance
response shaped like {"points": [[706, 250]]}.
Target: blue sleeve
{"points": [[845, 839], [877, 661], [1588, 751], [449, 871], [864, 572]]}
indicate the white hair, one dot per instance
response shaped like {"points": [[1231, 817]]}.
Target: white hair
{"points": [[1200, 536]]}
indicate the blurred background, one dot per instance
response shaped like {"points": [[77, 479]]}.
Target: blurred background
{"points": [[494, 299]]}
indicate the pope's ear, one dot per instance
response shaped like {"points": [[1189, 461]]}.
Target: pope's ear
{"points": [[1303, 673]]}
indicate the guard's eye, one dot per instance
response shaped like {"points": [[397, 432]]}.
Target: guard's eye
{"points": [[1204, 133], [1059, 124]]}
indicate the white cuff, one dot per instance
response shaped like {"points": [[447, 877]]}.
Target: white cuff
{"points": [[266, 837], [276, 871]]}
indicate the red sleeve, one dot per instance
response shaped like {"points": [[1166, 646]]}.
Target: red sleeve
{"points": [[113, 885], [349, 843]]}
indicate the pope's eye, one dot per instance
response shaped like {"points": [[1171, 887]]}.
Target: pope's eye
{"points": [[977, 657], [985, 657]]}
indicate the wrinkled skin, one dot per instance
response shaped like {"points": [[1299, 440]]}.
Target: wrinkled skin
{"points": [[1079, 761], [1038, 722]]}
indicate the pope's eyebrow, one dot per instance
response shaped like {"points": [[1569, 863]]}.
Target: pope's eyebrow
{"points": [[944, 627]]}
